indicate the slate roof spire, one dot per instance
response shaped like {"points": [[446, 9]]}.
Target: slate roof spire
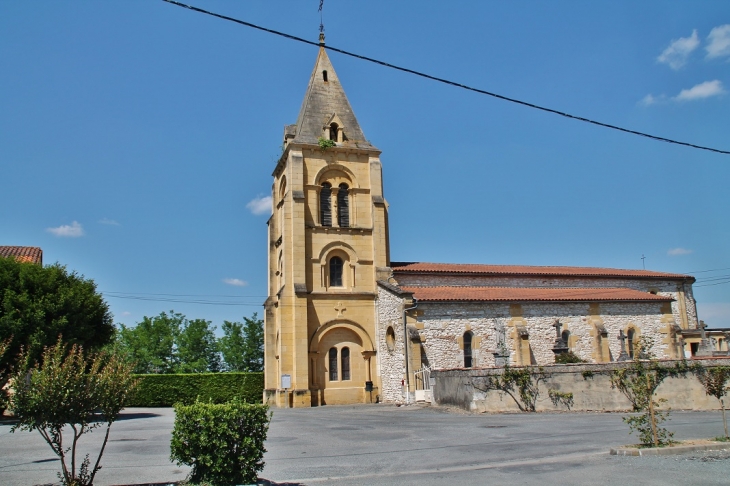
{"points": [[324, 100]]}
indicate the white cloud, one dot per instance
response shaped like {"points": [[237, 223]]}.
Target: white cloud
{"points": [[260, 205], [126, 313], [718, 42], [679, 50], [701, 91], [236, 282], [679, 251], [108, 221], [649, 100], [74, 230]]}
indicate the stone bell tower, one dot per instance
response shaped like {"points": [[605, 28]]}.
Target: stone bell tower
{"points": [[328, 239]]}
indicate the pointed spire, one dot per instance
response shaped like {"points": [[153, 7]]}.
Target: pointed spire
{"points": [[324, 100]]}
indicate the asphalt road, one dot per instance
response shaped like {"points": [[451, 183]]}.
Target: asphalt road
{"points": [[383, 444]]}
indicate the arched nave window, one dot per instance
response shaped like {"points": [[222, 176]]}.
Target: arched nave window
{"points": [[336, 265], [467, 349], [631, 335], [325, 204], [343, 207]]}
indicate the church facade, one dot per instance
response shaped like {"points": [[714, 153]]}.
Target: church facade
{"points": [[344, 324]]}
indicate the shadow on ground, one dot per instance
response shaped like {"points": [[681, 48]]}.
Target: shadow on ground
{"points": [[138, 415]]}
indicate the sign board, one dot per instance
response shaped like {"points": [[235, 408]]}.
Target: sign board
{"points": [[286, 381]]}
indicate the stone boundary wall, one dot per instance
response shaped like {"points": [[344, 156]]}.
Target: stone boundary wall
{"points": [[590, 393]]}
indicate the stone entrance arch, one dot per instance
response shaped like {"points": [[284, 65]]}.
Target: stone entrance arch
{"points": [[339, 354]]}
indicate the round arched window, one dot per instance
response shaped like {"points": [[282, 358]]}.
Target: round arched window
{"points": [[336, 265]]}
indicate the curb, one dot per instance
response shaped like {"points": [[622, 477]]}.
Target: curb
{"points": [[668, 451]]}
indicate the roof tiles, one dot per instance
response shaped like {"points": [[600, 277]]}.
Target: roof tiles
{"points": [[527, 270], [520, 294], [29, 254]]}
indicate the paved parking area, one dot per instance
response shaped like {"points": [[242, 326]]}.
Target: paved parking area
{"points": [[383, 444]]}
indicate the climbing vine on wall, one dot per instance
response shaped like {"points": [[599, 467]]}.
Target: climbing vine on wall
{"points": [[523, 386]]}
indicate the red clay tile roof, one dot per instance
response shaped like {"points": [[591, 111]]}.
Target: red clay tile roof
{"points": [[29, 254], [520, 294], [499, 270]]}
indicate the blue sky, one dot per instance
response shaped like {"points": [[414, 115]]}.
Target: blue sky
{"points": [[136, 137]]}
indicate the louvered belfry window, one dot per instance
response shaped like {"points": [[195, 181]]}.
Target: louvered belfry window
{"points": [[333, 364], [343, 207], [325, 204], [336, 265]]}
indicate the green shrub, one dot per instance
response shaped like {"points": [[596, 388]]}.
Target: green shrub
{"points": [[166, 390], [223, 443], [325, 144], [569, 357]]}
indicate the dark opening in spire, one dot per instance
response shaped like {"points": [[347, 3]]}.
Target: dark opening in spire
{"points": [[324, 76]]}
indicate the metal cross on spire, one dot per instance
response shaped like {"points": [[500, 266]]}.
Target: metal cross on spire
{"points": [[321, 24]]}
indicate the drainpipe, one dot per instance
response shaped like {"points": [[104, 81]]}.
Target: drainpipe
{"points": [[405, 348]]}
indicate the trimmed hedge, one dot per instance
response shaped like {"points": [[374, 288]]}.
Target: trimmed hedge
{"points": [[223, 443], [166, 390]]}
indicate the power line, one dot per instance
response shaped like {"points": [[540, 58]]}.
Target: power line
{"points": [[711, 270], [185, 295], [451, 83]]}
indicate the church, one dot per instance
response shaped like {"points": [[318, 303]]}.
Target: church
{"points": [[344, 324]]}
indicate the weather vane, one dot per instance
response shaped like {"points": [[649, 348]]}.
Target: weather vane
{"points": [[321, 25]]}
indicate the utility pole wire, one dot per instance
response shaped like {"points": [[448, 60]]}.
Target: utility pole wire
{"points": [[451, 83]]}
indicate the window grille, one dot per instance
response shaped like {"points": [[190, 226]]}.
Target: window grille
{"points": [[345, 356], [333, 364], [336, 265]]}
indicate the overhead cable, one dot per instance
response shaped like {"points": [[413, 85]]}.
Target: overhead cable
{"points": [[446, 81]]}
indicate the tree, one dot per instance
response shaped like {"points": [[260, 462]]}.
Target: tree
{"points": [[37, 304], [715, 382], [639, 382], [197, 348], [151, 343], [242, 344], [75, 391]]}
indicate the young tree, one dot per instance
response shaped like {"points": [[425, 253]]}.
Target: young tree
{"points": [[197, 348], [242, 344], [639, 382], [715, 381], [75, 391], [37, 304], [151, 343]]}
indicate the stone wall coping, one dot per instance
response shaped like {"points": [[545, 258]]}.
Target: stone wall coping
{"points": [[577, 367]]}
